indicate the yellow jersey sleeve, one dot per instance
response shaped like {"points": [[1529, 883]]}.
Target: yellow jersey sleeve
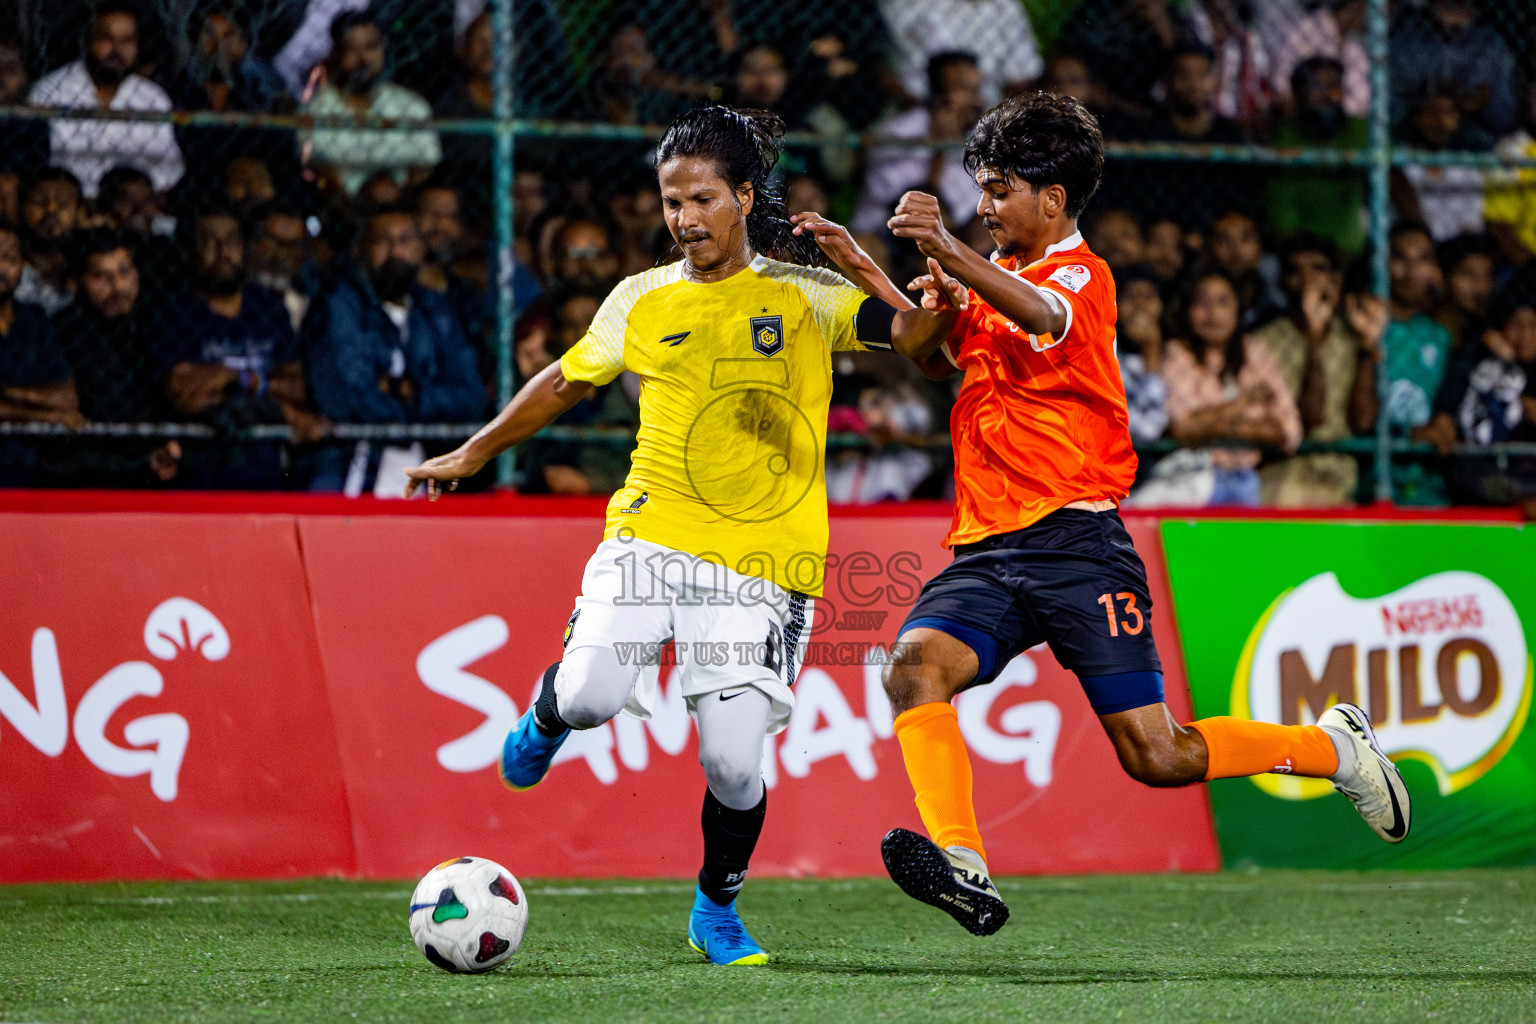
{"points": [[1504, 197], [834, 302], [1507, 189], [599, 356]]}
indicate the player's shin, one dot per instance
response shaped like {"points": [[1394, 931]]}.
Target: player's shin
{"points": [[940, 770], [730, 836], [546, 715], [1236, 748]]}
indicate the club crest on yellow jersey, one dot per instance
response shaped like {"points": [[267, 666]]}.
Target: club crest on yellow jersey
{"points": [[768, 334]]}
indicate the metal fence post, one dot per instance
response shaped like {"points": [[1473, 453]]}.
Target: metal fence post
{"points": [[501, 15], [1376, 27]]}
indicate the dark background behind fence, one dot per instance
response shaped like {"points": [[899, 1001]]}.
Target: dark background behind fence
{"points": [[301, 243]]}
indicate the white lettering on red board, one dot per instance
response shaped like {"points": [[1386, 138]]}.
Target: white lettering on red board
{"points": [[159, 741]]}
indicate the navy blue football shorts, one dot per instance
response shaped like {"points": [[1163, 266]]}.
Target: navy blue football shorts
{"points": [[1072, 580]]}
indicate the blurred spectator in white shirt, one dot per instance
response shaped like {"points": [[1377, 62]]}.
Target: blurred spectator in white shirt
{"points": [[1244, 66], [1295, 30], [103, 79], [1447, 199], [953, 107], [996, 31], [310, 43], [357, 86]]}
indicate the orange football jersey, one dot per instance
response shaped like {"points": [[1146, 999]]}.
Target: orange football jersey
{"points": [[1040, 421]]}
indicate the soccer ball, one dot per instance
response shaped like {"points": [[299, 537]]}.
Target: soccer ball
{"points": [[468, 915]]}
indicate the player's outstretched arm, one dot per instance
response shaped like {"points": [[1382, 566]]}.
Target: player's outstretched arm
{"points": [[850, 258], [920, 338], [919, 217], [916, 331], [536, 405]]}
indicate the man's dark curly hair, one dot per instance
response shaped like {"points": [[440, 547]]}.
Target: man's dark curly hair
{"points": [[1043, 139]]}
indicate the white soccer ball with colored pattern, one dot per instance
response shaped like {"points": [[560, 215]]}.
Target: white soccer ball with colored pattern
{"points": [[468, 915]]}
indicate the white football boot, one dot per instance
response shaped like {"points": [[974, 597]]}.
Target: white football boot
{"points": [[1372, 783], [954, 880]]}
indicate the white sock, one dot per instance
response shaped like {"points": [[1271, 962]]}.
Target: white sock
{"points": [[970, 857], [1344, 747]]}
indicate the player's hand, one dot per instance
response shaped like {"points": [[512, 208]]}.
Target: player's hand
{"points": [[445, 469], [834, 240], [941, 293], [920, 218]]}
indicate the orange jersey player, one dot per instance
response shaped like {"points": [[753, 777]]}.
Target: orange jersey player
{"points": [[1042, 458], [1040, 422]]}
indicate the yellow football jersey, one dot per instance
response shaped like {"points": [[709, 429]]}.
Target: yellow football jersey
{"points": [[735, 380]]}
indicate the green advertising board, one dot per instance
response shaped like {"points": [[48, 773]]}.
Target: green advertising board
{"points": [[1427, 627]]}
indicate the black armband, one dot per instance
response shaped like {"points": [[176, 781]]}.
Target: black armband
{"points": [[872, 323]]}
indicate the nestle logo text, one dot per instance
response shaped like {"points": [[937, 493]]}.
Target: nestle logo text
{"points": [[1432, 615]]}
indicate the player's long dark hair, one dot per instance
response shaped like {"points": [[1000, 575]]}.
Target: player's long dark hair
{"points": [[744, 145]]}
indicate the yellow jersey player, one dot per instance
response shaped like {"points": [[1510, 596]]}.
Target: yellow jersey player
{"points": [[718, 538]]}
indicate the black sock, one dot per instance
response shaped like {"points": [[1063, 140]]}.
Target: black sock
{"points": [[729, 837], [545, 718]]}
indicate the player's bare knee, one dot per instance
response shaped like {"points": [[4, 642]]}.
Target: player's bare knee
{"points": [[909, 684], [901, 683]]}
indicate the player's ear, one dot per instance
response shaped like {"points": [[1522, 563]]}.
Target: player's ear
{"points": [[1053, 201], [745, 194]]}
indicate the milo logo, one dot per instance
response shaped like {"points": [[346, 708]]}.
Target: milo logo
{"points": [[1441, 666]]}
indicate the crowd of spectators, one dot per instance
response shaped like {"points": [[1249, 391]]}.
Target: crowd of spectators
{"points": [[248, 273]]}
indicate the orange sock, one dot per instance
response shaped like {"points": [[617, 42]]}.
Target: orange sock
{"points": [[940, 770], [1237, 748]]}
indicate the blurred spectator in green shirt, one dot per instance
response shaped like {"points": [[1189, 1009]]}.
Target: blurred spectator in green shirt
{"points": [[1416, 349], [1328, 200]]}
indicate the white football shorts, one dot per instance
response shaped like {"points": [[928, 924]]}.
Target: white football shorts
{"points": [[729, 630]]}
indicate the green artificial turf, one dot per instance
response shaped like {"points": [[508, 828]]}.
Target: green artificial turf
{"points": [[1272, 946]]}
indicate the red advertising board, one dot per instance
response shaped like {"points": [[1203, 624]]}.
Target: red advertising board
{"points": [[390, 653], [162, 712]]}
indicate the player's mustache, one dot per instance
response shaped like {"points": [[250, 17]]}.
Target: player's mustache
{"points": [[692, 236], [990, 224]]}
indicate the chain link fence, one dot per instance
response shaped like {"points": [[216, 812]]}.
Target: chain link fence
{"points": [[300, 243]]}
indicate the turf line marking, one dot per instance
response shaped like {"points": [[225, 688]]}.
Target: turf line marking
{"points": [[388, 894], [665, 889], [618, 890]]}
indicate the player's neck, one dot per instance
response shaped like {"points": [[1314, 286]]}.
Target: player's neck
{"points": [[1054, 234], [732, 265]]}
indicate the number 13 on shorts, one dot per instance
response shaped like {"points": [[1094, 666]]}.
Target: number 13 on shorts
{"points": [[1128, 599]]}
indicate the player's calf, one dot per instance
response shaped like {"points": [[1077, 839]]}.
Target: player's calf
{"points": [[1153, 750]]}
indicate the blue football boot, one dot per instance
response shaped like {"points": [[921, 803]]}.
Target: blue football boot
{"points": [[527, 752], [718, 933]]}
